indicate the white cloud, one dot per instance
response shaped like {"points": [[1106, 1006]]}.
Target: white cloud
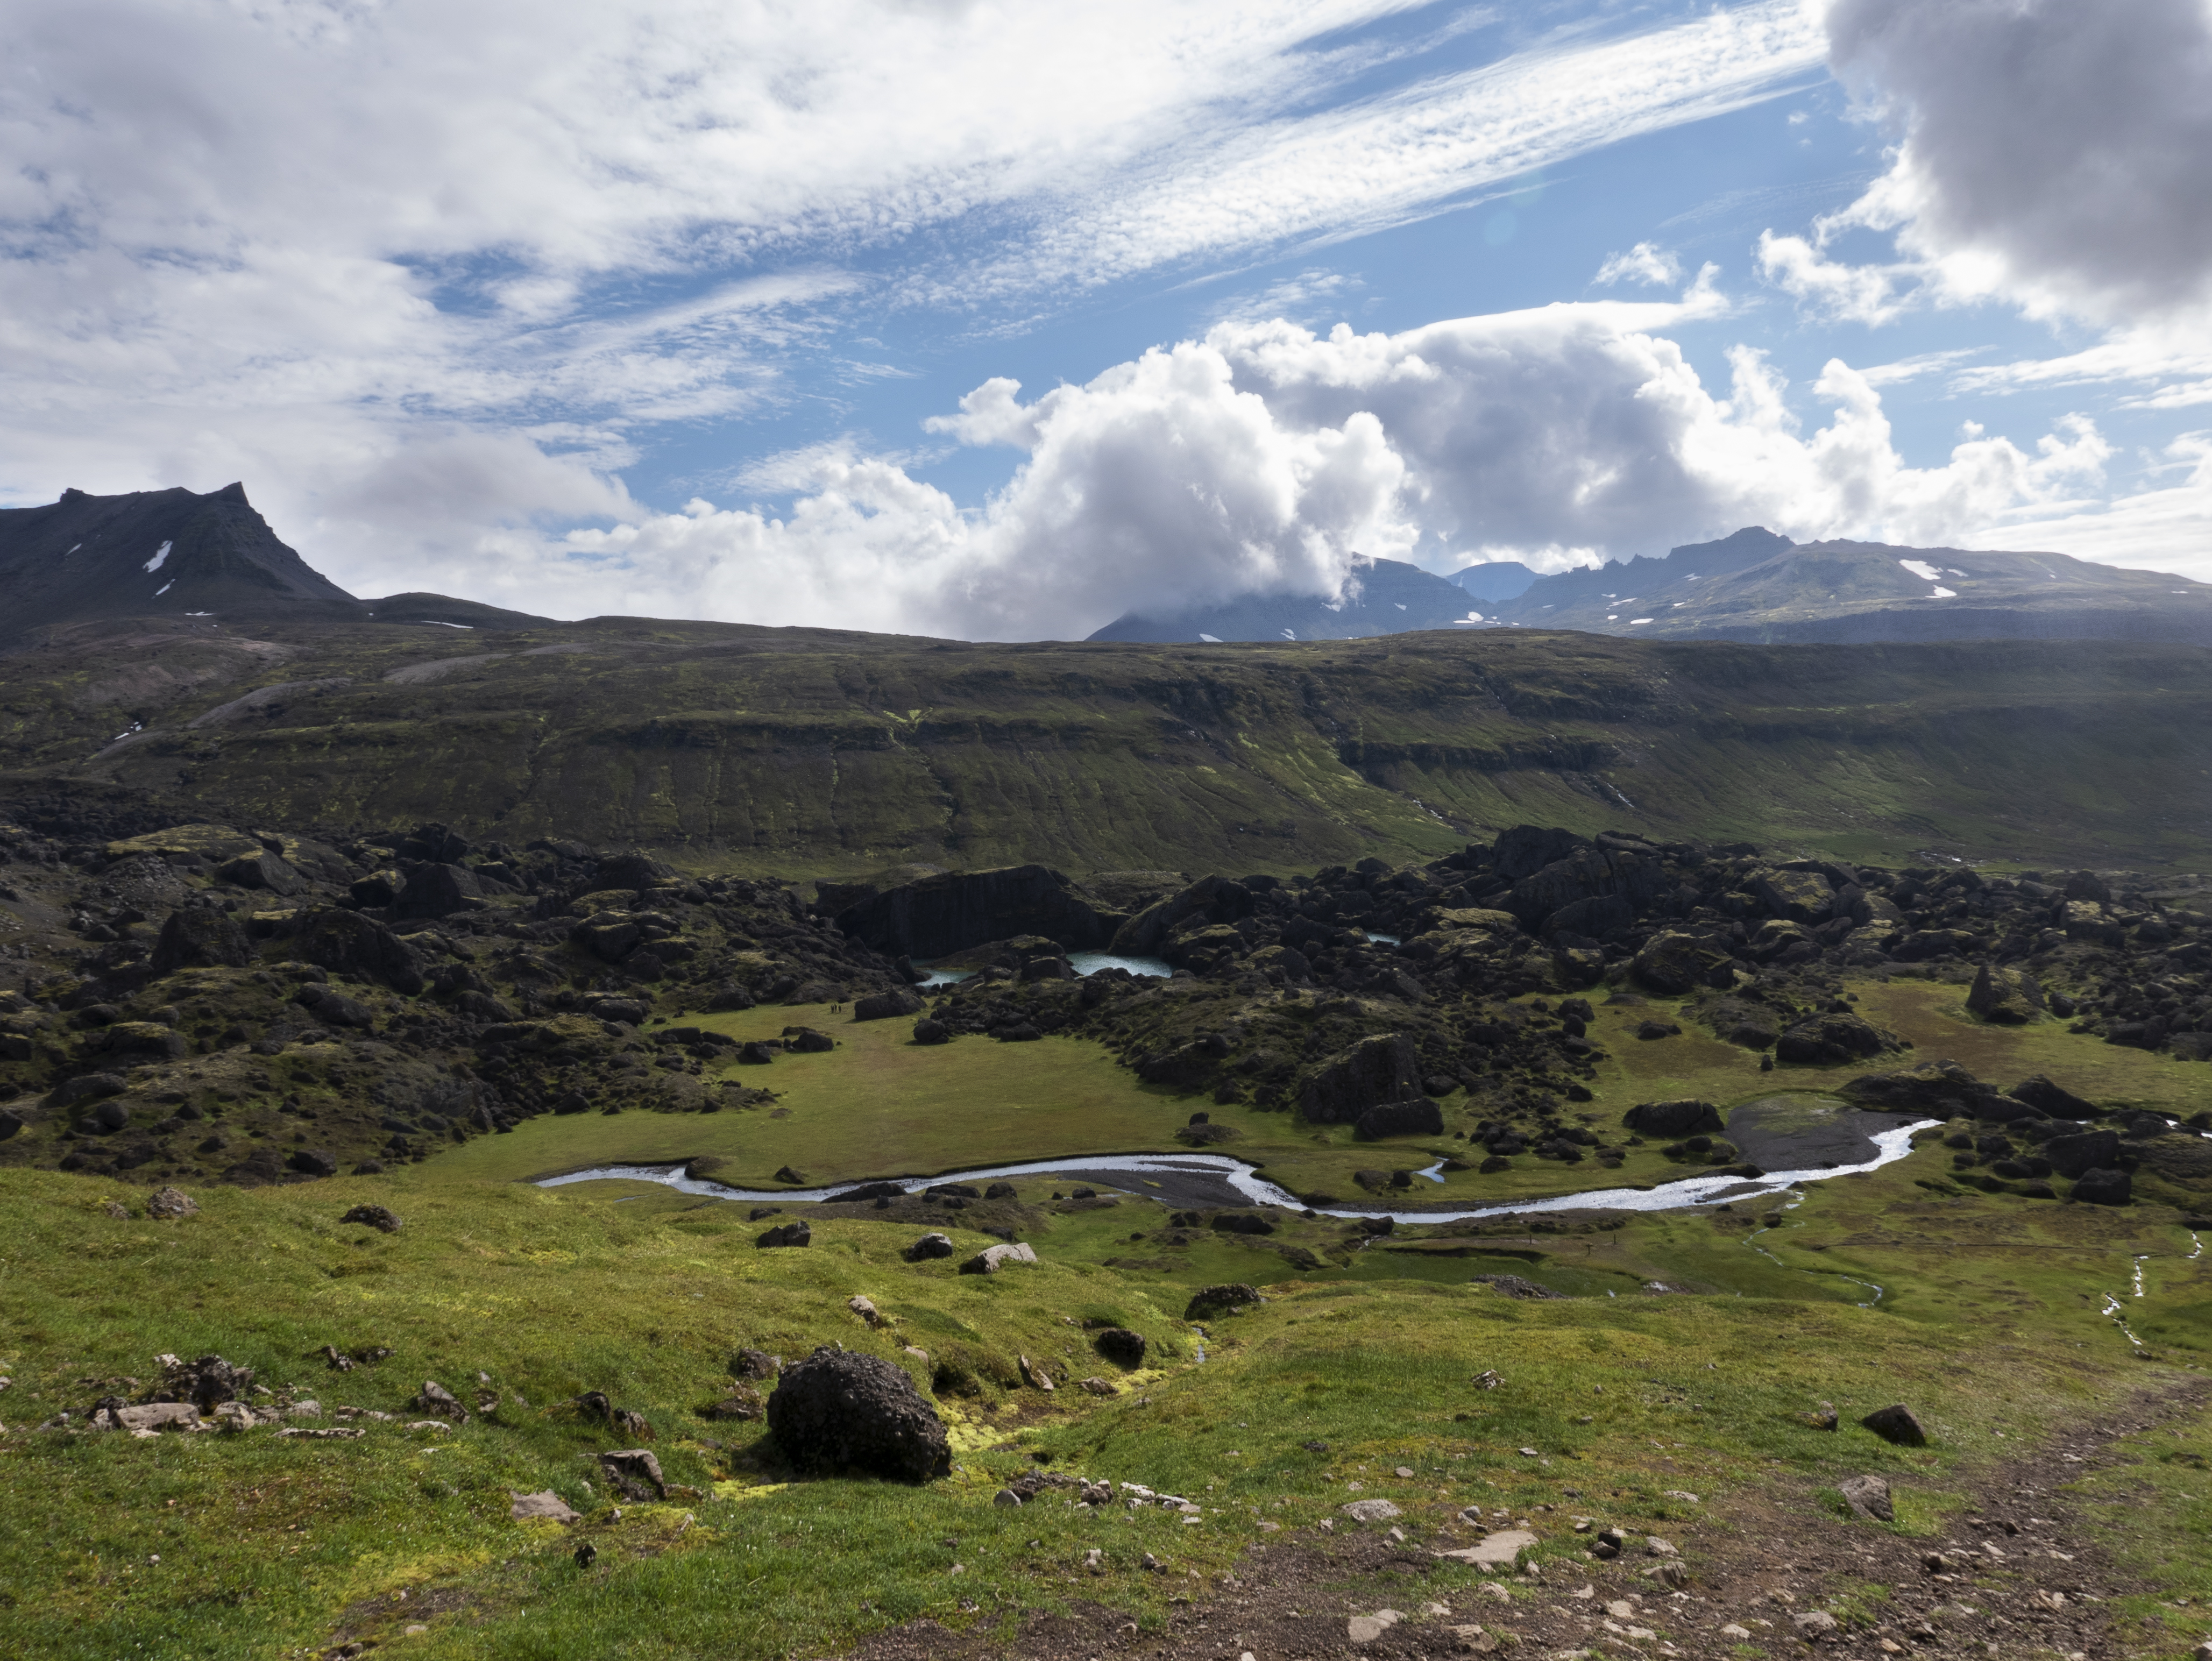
{"points": [[1261, 458], [1646, 262], [2050, 156]]}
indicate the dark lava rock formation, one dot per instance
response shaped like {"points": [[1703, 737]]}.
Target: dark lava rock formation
{"points": [[837, 1410]]}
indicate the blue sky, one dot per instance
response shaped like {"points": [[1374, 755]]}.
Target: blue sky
{"points": [[717, 310]]}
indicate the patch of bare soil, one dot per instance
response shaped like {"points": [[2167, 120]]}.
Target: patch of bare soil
{"points": [[1778, 1573]]}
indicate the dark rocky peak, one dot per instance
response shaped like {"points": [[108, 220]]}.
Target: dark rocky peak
{"points": [[167, 554]]}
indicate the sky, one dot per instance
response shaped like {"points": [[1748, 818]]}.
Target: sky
{"points": [[1000, 320]]}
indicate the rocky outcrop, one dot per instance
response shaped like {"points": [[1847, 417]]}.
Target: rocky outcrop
{"points": [[346, 942], [2005, 997], [1380, 1069], [1674, 1118], [200, 937], [1416, 1116], [885, 1006], [935, 916], [1831, 1037], [838, 1411]]}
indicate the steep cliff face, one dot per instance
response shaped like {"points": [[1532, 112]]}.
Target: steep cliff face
{"points": [[153, 553]]}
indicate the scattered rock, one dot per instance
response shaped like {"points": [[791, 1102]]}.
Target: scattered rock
{"points": [[155, 1416], [866, 1309], [204, 1383], [2005, 997], [755, 1364], [1416, 1116], [1672, 1119], [1033, 1374], [1121, 1346], [1372, 1511], [796, 1179], [1896, 1424], [885, 1006], [928, 1246], [1211, 1300], [1500, 1550], [547, 1504], [789, 1234], [1814, 1624], [992, 1258], [167, 1203], [836, 1410], [1868, 1499], [440, 1403], [374, 1216], [1098, 1387], [1823, 1417], [1007, 1499], [2102, 1187], [1366, 1628], [635, 1474]]}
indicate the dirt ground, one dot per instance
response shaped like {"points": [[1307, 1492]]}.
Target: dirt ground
{"points": [[2014, 1575]]}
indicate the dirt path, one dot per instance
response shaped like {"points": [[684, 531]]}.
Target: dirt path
{"points": [[2018, 1576]]}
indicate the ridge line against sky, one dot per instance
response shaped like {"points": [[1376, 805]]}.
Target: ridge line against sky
{"points": [[504, 310]]}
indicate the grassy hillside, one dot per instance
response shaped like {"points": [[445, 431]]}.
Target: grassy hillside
{"points": [[809, 753], [519, 1299]]}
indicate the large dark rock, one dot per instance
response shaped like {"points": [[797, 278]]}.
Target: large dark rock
{"points": [[334, 1006], [1896, 1424], [1828, 1038], [1672, 1119], [866, 1191], [1590, 891], [438, 890], [1121, 1346], [2103, 1187], [632, 870], [262, 871], [378, 1217], [2075, 1156], [1374, 1070], [346, 942], [787, 1234], [885, 1006], [2051, 1100], [1938, 1089], [837, 1410], [1416, 1116], [2004, 997], [1212, 899], [1211, 1300], [206, 1383], [1527, 849], [201, 938], [10, 1124], [935, 916], [1673, 962]]}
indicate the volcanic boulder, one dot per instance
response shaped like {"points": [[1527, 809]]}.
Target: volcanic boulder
{"points": [[1672, 1119], [2005, 998], [1416, 1116], [1374, 1070], [837, 1410], [201, 938]]}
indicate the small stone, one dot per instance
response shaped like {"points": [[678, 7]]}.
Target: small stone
{"points": [[1372, 1511], [866, 1310], [1403, 1472], [1823, 1417], [437, 1399], [1098, 1387], [1814, 1623], [1732, 1630], [928, 1246], [1094, 1560], [1501, 1550], [1656, 1547], [1008, 1499], [167, 1203], [546, 1504], [1366, 1628], [586, 1554], [1868, 1499], [994, 1258], [1033, 1374], [374, 1216]]}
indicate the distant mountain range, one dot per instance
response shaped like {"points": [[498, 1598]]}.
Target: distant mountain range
{"points": [[175, 555], [1753, 585]]}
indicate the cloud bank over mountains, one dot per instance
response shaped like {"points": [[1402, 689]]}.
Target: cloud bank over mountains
{"points": [[1263, 457], [438, 281]]}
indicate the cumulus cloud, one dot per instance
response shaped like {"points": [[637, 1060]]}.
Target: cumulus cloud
{"points": [[2049, 154], [1261, 458]]}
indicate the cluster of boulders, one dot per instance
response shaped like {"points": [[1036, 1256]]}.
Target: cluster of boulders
{"points": [[370, 999]]}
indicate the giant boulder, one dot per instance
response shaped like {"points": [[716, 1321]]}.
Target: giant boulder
{"points": [[1939, 1089], [837, 1410], [2075, 1156], [2053, 1101], [2004, 997], [346, 942], [885, 1006], [1374, 1070], [1829, 1038], [1673, 962], [438, 890], [1672, 1119], [1416, 1116], [201, 938]]}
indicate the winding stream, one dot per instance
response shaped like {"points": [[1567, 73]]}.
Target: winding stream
{"points": [[1255, 1190]]}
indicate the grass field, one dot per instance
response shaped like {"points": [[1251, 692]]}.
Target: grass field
{"points": [[1988, 1323], [881, 1106]]}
